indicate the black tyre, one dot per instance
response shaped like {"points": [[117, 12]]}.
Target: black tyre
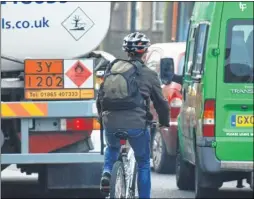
{"points": [[134, 182], [202, 192], [117, 183], [252, 181], [184, 172], [162, 161]]}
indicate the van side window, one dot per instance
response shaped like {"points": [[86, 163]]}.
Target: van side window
{"points": [[239, 52], [190, 54], [200, 48]]}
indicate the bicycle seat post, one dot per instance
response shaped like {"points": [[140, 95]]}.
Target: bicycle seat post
{"points": [[123, 136]]}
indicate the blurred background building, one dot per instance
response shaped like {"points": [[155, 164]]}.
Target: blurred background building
{"points": [[160, 21]]}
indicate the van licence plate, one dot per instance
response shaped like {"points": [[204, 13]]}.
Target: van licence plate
{"points": [[242, 120]]}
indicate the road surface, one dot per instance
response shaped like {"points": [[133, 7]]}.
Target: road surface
{"points": [[17, 185]]}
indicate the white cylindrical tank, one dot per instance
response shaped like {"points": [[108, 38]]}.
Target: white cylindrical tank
{"points": [[49, 30]]}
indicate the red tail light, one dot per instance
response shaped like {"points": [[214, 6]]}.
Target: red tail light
{"points": [[209, 118], [79, 124]]}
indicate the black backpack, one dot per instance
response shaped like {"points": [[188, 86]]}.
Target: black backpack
{"points": [[120, 89]]}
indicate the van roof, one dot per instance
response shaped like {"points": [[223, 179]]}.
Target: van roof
{"points": [[205, 11]]}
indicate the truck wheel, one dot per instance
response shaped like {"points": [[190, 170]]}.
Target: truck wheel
{"points": [[1, 138], [202, 192], [252, 181], [162, 162], [184, 172], [42, 178]]}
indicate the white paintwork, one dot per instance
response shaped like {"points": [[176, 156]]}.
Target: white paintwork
{"points": [[52, 40], [68, 83]]}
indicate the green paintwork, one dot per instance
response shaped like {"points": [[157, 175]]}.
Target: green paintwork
{"points": [[236, 148], [212, 86]]}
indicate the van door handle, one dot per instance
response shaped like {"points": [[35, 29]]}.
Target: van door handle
{"points": [[244, 107]]}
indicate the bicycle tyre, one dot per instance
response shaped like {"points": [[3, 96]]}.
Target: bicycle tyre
{"points": [[117, 171], [133, 186]]}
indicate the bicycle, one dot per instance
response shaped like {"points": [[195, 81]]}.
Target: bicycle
{"points": [[124, 172]]}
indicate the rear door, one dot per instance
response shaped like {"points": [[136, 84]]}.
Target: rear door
{"points": [[234, 98]]}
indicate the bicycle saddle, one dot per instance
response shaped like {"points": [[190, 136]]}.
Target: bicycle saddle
{"points": [[123, 135]]}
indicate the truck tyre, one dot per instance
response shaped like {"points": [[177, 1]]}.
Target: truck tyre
{"points": [[252, 181], [42, 179], [202, 192], [162, 161], [184, 172], [1, 138]]}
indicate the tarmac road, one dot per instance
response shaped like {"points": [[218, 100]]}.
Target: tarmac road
{"points": [[17, 185]]}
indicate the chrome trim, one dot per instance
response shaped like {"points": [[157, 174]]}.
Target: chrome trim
{"points": [[237, 165]]}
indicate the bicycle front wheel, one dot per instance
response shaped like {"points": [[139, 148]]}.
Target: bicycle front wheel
{"points": [[117, 184]]}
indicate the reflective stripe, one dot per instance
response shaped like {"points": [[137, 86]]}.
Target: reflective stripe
{"points": [[23, 109]]}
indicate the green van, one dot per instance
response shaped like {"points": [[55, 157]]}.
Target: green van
{"points": [[215, 124]]}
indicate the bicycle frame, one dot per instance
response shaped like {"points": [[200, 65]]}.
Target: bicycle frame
{"points": [[128, 159]]}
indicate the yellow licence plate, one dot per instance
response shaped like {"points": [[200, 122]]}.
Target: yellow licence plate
{"points": [[242, 120]]}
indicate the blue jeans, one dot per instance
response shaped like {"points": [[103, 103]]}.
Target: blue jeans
{"points": [[140, 143]]}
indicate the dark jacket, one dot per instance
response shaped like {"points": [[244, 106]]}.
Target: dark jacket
{"points": [[150, 87]]}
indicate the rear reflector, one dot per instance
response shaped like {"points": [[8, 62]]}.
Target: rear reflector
{"points": [[123, 142], [79, 124], [209, 118]]}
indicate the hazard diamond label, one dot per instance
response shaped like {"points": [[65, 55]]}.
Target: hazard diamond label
{"points": [[78, 73]]}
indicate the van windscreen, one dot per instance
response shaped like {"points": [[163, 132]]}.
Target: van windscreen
{"points": [[239, 52]]}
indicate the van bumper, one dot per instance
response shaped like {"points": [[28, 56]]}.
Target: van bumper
{"points": [[209, 163]]}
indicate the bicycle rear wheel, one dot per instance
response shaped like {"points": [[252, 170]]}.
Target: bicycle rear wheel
{"points": [[134, 182], [117, 183]]}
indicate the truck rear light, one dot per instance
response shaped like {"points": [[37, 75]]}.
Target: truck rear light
{"points": [[209, 118], [79, 124], [96, 125]]}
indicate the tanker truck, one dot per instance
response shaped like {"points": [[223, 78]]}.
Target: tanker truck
{"points": [[48, 109]]}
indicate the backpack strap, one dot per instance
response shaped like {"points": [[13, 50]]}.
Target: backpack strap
{"points": [[138, 65], [107, 71]]}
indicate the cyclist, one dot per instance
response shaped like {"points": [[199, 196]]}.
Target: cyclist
{"points": [[134, 120]]}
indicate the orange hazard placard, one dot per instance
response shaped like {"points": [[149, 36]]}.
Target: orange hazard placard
{"points": [[43, 81], [49, 79], [43, 66]]}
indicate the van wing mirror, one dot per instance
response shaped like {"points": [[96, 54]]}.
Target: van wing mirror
{"points": [[167, 70]]}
